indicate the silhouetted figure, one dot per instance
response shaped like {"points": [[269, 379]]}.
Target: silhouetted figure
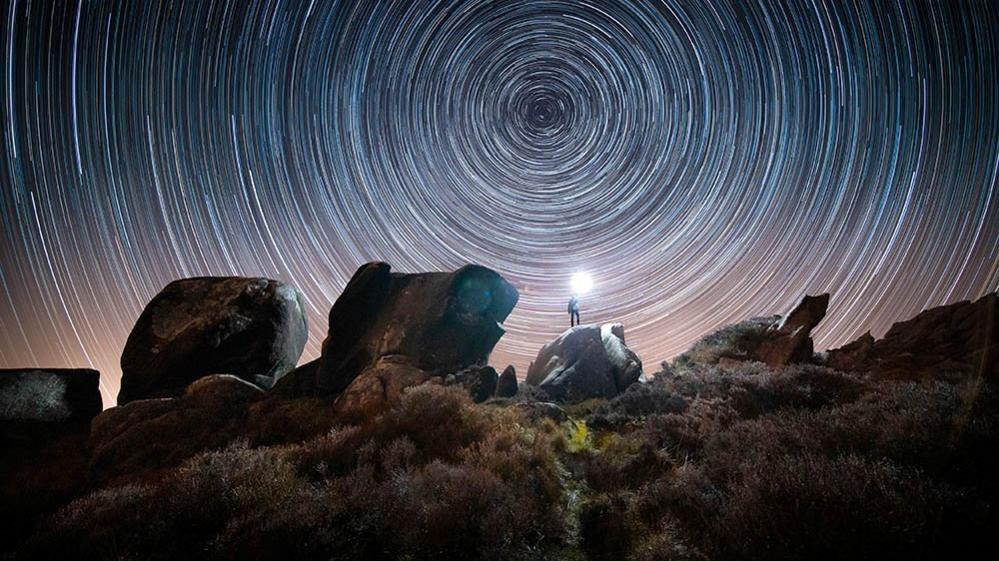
{"points": [[573, 311]]}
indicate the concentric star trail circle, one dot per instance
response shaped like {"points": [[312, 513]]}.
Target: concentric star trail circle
{"points": [[702, 161]]}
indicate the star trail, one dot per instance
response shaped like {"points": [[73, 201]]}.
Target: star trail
{"points": [[702, 161]]}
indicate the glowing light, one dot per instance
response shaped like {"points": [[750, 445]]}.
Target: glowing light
{"points": [[581, 283], [705, 161]]}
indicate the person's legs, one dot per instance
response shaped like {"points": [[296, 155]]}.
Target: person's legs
{"points": [[574, 318]]}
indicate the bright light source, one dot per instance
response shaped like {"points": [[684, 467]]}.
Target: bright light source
{"points": [[581, 283]]}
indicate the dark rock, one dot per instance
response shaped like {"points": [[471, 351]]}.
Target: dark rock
{"points": [[378, 386], [480, 381], [774, 340], [585, 361], [161, 432], [852, 355], [953, 341], [219, 388], [299, 382], [507, 384], [440, 322], [253, 328], [35, 401]]}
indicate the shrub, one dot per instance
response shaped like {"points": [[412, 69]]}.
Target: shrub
{"points": [[439, 420], [731, 341], [638, 401], [623, 462], [757, 463], [815, 507], [433, 477], [606, 531]]}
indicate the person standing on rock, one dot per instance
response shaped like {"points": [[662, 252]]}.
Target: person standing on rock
{"points": [[573, 311]]}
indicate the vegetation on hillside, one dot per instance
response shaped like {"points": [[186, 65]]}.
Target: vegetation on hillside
{"points": [[704, 462]]}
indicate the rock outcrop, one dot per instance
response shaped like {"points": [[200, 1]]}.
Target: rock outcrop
{"points": [[378, 386], [436, 323], [585, 361], [49, 399], [507, 384], [164, 431], [479, 381], [774, 340], [957, 340], [253, 328]]}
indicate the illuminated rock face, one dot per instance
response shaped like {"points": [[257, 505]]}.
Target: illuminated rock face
{"points": [[439, 323], [956, 340], [252, 328], [47, 396], [585, 361]]}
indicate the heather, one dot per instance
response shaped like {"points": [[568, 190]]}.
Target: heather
{"points": [[701, 462]]}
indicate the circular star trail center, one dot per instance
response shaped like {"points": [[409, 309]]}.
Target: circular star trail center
{"points": [[703, 161]]}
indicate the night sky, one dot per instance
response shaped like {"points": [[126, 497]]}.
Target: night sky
{"points": [[704, 162]]}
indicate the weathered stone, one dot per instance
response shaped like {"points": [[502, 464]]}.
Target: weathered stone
{"points": [[441, 322], [852, 355], [774, 340], [252, 328], [164, 431], [378, 386], [507, 384], [953, 341], [299, 382], [479, 381], [585, 361], [625, 364]]}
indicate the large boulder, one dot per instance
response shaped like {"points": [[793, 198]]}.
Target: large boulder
{"points": [[585, 361], [253, 328], [506, 386], [774, 340], [438, 323], [47, 399], [953, 341], [480, 381]]}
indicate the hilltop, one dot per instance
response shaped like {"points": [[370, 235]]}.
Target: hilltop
{"points": [[400, 443]]}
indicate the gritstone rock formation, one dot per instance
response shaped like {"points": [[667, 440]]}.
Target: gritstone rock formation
{"points": [[145, 432], [774, 340], [480, 381], [47, 398], [507, 384], [378, 386], [957, 340], [434, 323], [585, 361], [253, 328]]}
